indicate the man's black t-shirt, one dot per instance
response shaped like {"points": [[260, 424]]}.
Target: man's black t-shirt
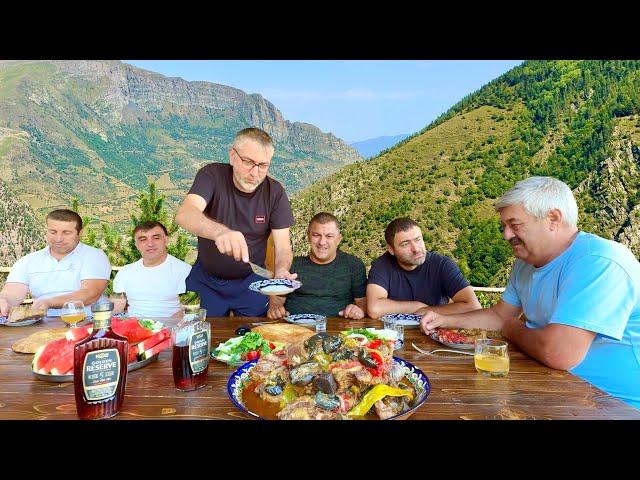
{"points": [[254, 214], [434, 282]]}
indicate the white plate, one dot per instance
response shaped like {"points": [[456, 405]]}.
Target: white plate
{"points": [[21, 323], [406, 319], [304, 318], [276, 286]]}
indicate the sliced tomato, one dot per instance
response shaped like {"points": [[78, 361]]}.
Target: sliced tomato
{"points": [[252, 355], [376, 372], [374, 343]]}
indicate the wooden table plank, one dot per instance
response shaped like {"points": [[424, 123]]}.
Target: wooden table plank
{"points": [[530, 391]]}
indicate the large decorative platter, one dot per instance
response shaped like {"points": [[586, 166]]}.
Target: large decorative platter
{"points": [[240, 378]]}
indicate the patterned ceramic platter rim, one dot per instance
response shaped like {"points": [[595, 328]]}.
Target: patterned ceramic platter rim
{"points": [[418, 379], [460, 346], [47, 377], [304, 318], [289, 286], [406, 319]]}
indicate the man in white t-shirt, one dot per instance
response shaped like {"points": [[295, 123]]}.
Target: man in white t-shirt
{"points": [[63, 271], [152, 284]]}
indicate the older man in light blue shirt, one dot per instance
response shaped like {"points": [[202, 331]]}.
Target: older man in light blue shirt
{"points": [[580, 293], [63, 271]]}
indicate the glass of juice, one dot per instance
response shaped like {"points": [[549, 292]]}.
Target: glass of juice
{"points": [[72, 312], [492, 357]]}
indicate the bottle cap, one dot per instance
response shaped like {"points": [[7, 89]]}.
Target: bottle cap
{"points": [[103, 306]]}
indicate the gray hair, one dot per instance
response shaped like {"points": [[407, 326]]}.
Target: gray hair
{"points": [[540, 195]]}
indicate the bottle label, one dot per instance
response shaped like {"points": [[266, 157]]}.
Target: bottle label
{"points": [[100, 374], [199, 351]]}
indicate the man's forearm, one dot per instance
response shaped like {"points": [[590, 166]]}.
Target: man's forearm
{"points": [[383, 306], [84, 295], [283, 260], [486, 319], [199, 224], [454, 308]]}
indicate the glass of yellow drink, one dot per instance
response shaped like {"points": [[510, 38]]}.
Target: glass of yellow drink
{"points": [[72, 312], [492, 357]]}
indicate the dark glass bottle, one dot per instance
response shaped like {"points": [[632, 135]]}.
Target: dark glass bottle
{"points": [[100, 368], [191, 340]]}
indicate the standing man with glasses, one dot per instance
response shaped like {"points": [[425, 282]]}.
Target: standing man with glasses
{"points": [[233, 208]]}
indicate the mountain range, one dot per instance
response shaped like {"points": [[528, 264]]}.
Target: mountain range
{"points": [[101, 130], [575, 120], [373, 146]]}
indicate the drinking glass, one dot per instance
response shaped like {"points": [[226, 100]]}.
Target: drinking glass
{"points": [[391, 323], [491, 357], [321, 323], [72, 312]]}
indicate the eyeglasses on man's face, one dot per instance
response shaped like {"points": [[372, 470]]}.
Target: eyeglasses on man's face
{"points": [[248, 163]]}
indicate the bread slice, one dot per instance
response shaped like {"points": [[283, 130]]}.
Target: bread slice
{"points": [[34, 341], [284, 332]]}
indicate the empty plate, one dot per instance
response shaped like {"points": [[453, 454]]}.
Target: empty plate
{"points": [[276, 286]]}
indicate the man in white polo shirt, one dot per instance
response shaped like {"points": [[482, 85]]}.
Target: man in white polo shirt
{"points": [[64, 270], [152, 284]]}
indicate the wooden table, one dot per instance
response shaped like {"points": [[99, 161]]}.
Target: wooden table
{"points": [[531, 391]]}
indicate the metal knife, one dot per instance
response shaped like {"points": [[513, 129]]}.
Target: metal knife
{"points": [[258, 270]]}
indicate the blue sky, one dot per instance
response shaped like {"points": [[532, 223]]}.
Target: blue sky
{"points": [[353, 99]]}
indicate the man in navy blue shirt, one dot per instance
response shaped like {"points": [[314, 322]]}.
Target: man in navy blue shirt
{"points": [[408, 279]]}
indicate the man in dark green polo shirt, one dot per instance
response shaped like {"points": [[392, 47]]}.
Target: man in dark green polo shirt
{"points": [[333, 282]]}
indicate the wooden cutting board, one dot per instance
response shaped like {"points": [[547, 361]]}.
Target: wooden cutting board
{"points": [[34, 341]]}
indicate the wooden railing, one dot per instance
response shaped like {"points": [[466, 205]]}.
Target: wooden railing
{"points": [[115, 268]]}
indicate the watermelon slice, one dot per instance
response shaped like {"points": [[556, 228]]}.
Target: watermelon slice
{"points": [[133, 355], [156, 349], [152, 341], [79, 333], [45, 354], [133, 329], [63, 361]]}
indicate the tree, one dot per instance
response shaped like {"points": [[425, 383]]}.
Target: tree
{"points": [[152, 208], [89, 236]]}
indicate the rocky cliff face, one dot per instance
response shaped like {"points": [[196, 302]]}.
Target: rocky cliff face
{"points": [[20, 231], [616, 186]]}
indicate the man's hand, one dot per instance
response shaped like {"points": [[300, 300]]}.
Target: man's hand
{"points": [[285, 274], [432, 320], [423, 310], [352, 311], [4, 307], [41, 304], [233, 243], [276, 308]]}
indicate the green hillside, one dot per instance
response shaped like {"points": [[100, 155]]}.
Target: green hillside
{"points": [[575, 120]]}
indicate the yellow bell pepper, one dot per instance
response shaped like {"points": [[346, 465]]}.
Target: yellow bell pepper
{"points": [[288, 395], [376, 393]]}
